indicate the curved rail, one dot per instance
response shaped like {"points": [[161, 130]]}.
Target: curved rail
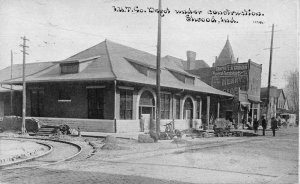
{"points": [[50, 157], [31, 158]]}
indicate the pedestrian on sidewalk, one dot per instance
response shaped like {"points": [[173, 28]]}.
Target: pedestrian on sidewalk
{"points": [[273, 125], [255, 125], [263, 124], [278, 121]]}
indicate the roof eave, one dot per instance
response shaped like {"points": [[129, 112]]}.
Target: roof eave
{"points": [[59, 80]]}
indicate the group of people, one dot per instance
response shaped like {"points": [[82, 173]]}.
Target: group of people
{"points": [[264, 125]]}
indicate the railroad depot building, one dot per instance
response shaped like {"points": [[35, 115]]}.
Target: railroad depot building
{"points": [[111, 88], [243, 80], [11, 100]]}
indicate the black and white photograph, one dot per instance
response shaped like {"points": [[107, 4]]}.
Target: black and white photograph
{"points": [[149, 91]]}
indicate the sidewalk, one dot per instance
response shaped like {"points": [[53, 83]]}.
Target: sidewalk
{"points": [[128, 135], [134, 135]]}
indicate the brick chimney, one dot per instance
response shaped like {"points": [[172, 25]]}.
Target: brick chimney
{"points": [[191, 57]]}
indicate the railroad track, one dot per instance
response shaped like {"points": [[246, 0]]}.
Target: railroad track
{"points": [[61, 151]]}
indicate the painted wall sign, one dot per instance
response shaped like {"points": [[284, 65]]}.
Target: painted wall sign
{"points": [[230, 78]]}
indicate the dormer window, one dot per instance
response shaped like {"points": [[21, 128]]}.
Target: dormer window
{"points": [[183, 77], [69, 67], [189, 80], [151, 73], [140, 68], [147, 70], [179, 76]]}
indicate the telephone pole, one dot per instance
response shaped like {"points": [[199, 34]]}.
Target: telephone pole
{"points": [[158, 72], [24, 46], [270, 72], [11, 76]]}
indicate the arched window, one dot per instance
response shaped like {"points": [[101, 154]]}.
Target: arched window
{"points": [[147, 99], [188, 109]]}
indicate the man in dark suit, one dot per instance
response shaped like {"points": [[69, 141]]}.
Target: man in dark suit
{"points": [[273, 125], [263, 124]]}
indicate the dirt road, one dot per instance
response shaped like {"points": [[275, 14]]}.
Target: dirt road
{"points": [[260, 159]]}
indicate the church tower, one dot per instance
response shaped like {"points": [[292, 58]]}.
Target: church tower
{"points": [[226, 56]]}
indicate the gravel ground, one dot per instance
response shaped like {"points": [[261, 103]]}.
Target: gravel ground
{"points": [[133, 147], [207, 160]]}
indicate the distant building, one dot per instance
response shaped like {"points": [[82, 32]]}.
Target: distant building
{"points": [[190, 63], [278, 101], [282, 102], [243, 80]]}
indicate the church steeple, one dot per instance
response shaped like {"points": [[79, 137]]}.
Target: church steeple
{"points": [[226, 56]]}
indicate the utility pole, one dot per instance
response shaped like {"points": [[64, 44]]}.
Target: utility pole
{"points": [[158, 71], [24, 84], [11, 76], [295, 93], [270, 73]]}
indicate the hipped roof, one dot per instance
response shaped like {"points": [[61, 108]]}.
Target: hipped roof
{"points": [[17, 72], [110, 61]]}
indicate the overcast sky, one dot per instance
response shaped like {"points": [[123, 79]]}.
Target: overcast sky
{"points": [[58, 29]]}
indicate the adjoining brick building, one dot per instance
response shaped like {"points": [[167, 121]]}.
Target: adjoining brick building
{"points": [[243, 80], [111, 88]]}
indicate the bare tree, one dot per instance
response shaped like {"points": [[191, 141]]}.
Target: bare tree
{"points": [[292, 90]]}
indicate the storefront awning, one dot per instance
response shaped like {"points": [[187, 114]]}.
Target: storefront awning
{"points": [[245, 103], [245, 106], [254, 99]]}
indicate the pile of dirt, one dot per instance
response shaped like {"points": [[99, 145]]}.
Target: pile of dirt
{"points": [[113, 146], [153, 135], [110, 143], [144, 138], [60, 136], [110, 139]]}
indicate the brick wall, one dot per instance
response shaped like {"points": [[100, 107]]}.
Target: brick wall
{"points": [[77, 107], [17, 103]]}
